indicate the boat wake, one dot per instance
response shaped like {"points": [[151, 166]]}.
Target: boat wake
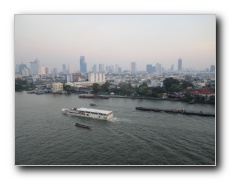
{"points": [[116, 119]]}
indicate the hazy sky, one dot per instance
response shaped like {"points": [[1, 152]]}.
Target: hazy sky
{"points": [[116, 39]]}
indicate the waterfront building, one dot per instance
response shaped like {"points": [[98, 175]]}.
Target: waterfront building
{"points": [[83, 65], [34, 67], [56, 87], [179, 65], [85, 84], [133, 67]]}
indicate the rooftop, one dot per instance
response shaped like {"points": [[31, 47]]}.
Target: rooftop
{"points": [[94, 110]]}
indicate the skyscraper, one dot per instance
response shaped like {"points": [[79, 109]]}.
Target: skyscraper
{"points": [[43, 70], [133, 67], [64, 68], [34, 67], [70, 68], [101, 67], [149, 68], [119, 70], [212, 68], [55, 71], [158, 68], [94, 68], [22, 69], [83, 65], [172, 67], [111, 69], [180, 64], [116, 68], [17, 68], [47, 71]]}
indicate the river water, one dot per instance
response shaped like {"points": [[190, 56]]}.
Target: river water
{"points": [[44, 136]]}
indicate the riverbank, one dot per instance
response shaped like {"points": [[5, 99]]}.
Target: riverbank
{"points": [[128, 97], [153, 98]]}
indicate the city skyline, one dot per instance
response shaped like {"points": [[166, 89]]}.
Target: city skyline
{"points": [[35, 68], [116, 39]]}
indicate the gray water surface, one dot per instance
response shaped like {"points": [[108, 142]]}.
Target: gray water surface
{"points": [[44, 136]]}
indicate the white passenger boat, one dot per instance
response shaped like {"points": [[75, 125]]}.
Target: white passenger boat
{"points": [[90, 113]]}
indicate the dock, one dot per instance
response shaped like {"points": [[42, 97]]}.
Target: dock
{"points": [[175, 111]]}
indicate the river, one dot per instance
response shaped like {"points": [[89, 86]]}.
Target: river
{"points": [[44, 136]]}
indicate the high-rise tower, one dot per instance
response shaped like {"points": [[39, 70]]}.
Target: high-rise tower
{"points": [[101, 67], [133, 67], [64, 68], [212, 68], [34, 67], [70, 68], [83, 65], [180, 64]]}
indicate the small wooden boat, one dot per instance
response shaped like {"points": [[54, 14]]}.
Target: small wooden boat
{"points": [[81, 125], [92, 104]]}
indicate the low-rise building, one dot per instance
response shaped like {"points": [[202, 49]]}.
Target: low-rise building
{"points": [[56, 87], [156, 83]]}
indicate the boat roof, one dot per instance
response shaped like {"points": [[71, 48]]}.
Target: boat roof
{"points": [[95, 110]]}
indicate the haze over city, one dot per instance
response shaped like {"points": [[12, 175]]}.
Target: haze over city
{"points": [[116, 39]]}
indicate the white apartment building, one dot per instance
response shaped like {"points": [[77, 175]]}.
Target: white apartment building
{"points": [[57, 87], [96, 77], [156, 83]]}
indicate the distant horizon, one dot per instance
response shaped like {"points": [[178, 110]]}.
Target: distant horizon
{"points": [[116, 39]]}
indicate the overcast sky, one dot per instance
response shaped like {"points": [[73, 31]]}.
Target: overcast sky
{"points": [[116, 39]]}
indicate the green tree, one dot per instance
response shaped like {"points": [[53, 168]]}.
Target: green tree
{"points": [[67, 88], [21, 85], [105, 87], [185, 84], [174, 88], [168, 82], [96, 88]]}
